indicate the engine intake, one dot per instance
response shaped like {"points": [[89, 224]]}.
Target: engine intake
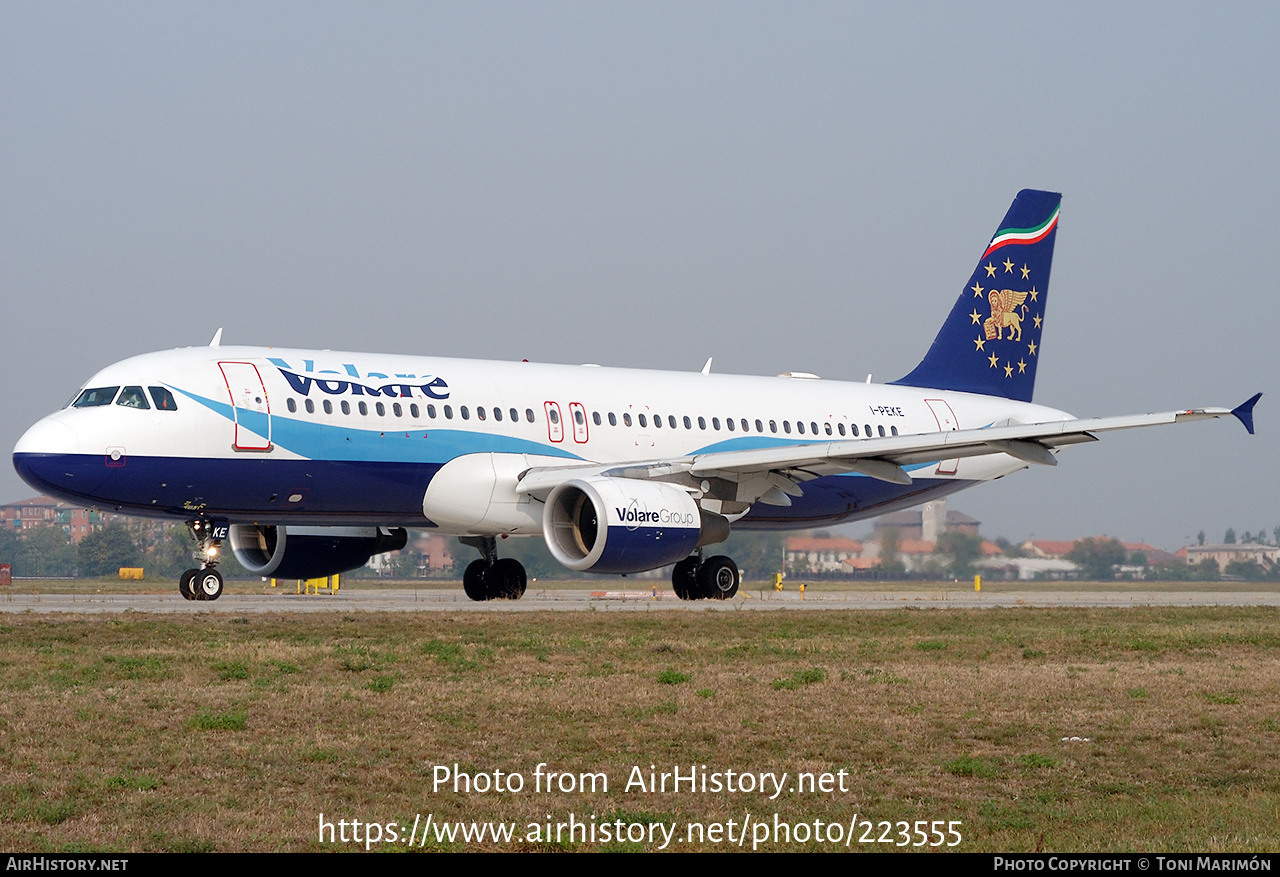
{"points": [[624, 525]]}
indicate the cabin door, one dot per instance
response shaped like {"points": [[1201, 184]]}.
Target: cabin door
{"points": [[946, 421], [248, 405]]}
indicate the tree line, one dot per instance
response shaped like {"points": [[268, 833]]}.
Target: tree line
{"points": [[48, 551]]}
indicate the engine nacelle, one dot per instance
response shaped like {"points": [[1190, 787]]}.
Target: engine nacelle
{"points": [[623, 525], [288, 552]]}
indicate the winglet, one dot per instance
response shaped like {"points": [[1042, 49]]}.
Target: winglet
{"points": [[1244, 411], [217, 338]]}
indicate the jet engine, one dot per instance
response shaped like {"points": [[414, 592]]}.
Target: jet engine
{"points": [[624, 525], [289, 552]]}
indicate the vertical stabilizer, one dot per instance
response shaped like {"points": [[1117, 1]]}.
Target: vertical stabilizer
{"points": [[990, 343]]}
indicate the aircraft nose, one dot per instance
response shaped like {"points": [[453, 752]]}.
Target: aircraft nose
{"points": [[42, 456], [48, 436]]}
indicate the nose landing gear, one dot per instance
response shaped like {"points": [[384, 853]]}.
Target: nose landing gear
{"points": [[204, 583]]}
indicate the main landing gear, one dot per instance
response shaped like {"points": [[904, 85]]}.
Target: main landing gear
{"points": [[204, 583], [715, 578], [492, 577]]}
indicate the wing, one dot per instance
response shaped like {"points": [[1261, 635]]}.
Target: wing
{"points": [[771, 475]]}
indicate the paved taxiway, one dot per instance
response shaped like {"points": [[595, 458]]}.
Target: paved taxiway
{"points": [[435, 600]]}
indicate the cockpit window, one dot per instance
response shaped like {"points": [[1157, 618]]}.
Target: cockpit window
{"points": [[95, 396], [164, 399], [133, 397]]}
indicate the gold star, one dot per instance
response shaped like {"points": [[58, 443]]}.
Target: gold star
{"points": [[1032, 345], [1037, 320], [975, 316], [977, 290], [1008, 370], [992, 359], [1026, 272], [979, 342], [1008, 266], [991, 269], [1022, 367], [1034, 293]]}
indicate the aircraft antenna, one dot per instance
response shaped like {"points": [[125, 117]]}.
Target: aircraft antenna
{"points": [[706, 369], [217, 338]]}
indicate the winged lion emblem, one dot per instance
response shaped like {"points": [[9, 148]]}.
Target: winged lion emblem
{"points": [[1004, 314]]}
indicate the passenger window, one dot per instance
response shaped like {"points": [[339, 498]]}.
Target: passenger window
{"points": [[839, 426], [413, 410], [346, 407], [657, 420], [431, 411], [310, 406], [728, 421], [133, 397], [528, 414], [466, 415], [813, 427], [642, 421], [479, 412], [164, 399], [554, 415], [291, 405], [688, 424], [595, 417], [396, 409], [381, 409], [671, 420], [626, 419], [715, 423], [760, 427], [773, 426], [328, 407], [515, 415], [786, 427], [448, 412], [578, 418], [881, 428], [800, 427], [853, 427], [364, 409], [95, 397], [894, 430], [613, 419], [497, 414]]}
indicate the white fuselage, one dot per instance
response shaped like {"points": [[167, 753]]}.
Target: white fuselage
{"points": [[276, 435]]}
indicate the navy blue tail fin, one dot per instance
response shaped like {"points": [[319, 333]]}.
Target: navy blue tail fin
{"points": [[990, 343]]}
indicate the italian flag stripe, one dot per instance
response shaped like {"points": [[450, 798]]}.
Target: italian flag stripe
{"points": [[1006, 236]]}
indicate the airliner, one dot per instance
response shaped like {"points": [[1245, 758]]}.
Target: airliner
{"points": [[310, 462]]}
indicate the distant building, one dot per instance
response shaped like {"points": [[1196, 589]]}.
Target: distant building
{"points": [[926, 523], [817, 554], [1050, 548], [1266, 556], [1026, 568], [41, 511]]}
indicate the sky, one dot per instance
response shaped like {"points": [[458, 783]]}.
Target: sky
{"points": [[785, 187]]}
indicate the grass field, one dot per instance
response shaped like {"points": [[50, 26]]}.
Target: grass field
{"points": [[235, 733]]}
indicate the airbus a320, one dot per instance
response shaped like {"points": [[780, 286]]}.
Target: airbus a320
{"points": [[311, 462]]}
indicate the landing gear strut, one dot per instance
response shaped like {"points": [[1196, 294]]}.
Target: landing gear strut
{"points": [[204, 583], [492, 577], [715, 578]]}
